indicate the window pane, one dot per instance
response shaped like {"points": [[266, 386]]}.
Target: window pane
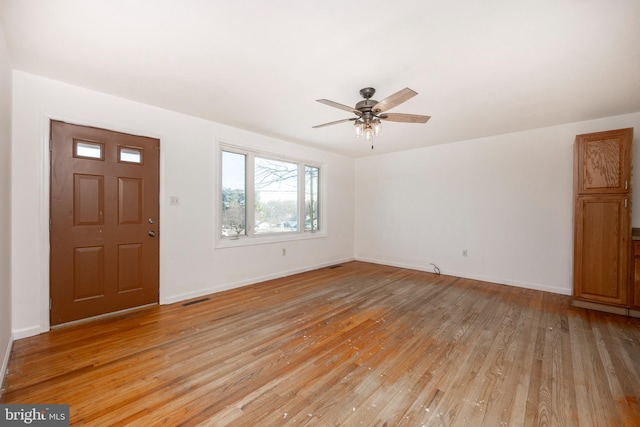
{"points": [[130, 155], [276, 196], [233, 194], [91, 150], [312, 176]]}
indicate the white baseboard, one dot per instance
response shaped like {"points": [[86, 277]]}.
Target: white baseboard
{"points": [[38, 329], [28, 332], [500, 281], [5, 364], [225, 287]]}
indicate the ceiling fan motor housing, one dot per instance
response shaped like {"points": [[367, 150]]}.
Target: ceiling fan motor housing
{"points": [[367, 92], [365, 106]]}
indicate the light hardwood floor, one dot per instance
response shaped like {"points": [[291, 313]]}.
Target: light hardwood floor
{"points": [[356, 345]]}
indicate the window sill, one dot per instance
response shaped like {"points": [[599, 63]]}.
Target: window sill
{"points": [[222, 243]]}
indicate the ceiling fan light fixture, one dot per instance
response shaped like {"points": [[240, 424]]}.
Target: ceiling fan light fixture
{"points": [[377, 125], [358, 128], [368, 132]]}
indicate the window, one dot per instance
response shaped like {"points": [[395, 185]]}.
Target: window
{"points": [[263, 195], [233, 194]]}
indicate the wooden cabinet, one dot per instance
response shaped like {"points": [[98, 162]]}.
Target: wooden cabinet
{"points": [[602, 223]]}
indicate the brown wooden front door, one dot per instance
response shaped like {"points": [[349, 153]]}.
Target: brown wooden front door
{"points": [[104, 233]]}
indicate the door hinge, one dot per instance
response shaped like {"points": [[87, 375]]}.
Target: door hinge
{"points": [[626, 185], [50, 145], [625, 203], [50, 303], [50, 226]]}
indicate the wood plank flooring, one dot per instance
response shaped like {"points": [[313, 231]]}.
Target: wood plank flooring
{"points": [[356, 345]]}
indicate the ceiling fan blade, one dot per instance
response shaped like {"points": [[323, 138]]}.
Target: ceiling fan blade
{"points": [[405, 118], [340, 106], [334, 123], [393, 100]]}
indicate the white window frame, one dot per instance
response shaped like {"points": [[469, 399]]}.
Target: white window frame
{"points": [[251, 238]]}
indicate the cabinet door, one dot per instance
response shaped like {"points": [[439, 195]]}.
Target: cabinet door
{"points": [[603, 162], [602, 245], [635, 275]]}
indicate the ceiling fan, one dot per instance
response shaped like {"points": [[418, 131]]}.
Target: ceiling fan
{"points": [[370, 112]]}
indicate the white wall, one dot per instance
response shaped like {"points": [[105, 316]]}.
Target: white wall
{"points": [[190, 265], [506, 199], [5, 206]]}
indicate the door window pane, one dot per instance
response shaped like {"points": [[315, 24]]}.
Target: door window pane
{"points": [[130, 155], [91, 150], [276, 196], [233, 194]]}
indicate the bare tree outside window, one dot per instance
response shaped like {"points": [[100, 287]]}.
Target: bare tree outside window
{"points": [[233, 194], [276, 196]]}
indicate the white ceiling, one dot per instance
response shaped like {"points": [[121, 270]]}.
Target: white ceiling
{"points": [[480, 67]]}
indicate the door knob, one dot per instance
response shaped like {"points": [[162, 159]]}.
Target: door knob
{"points": [[152, 233]]}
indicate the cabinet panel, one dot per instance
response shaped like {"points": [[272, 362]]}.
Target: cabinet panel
{"points": [[603, 162], [601, 252]]}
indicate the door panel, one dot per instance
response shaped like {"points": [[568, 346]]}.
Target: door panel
{"points": [[88, 274], [130, 201], [88, 203], [104, 190], [130, 273]]}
